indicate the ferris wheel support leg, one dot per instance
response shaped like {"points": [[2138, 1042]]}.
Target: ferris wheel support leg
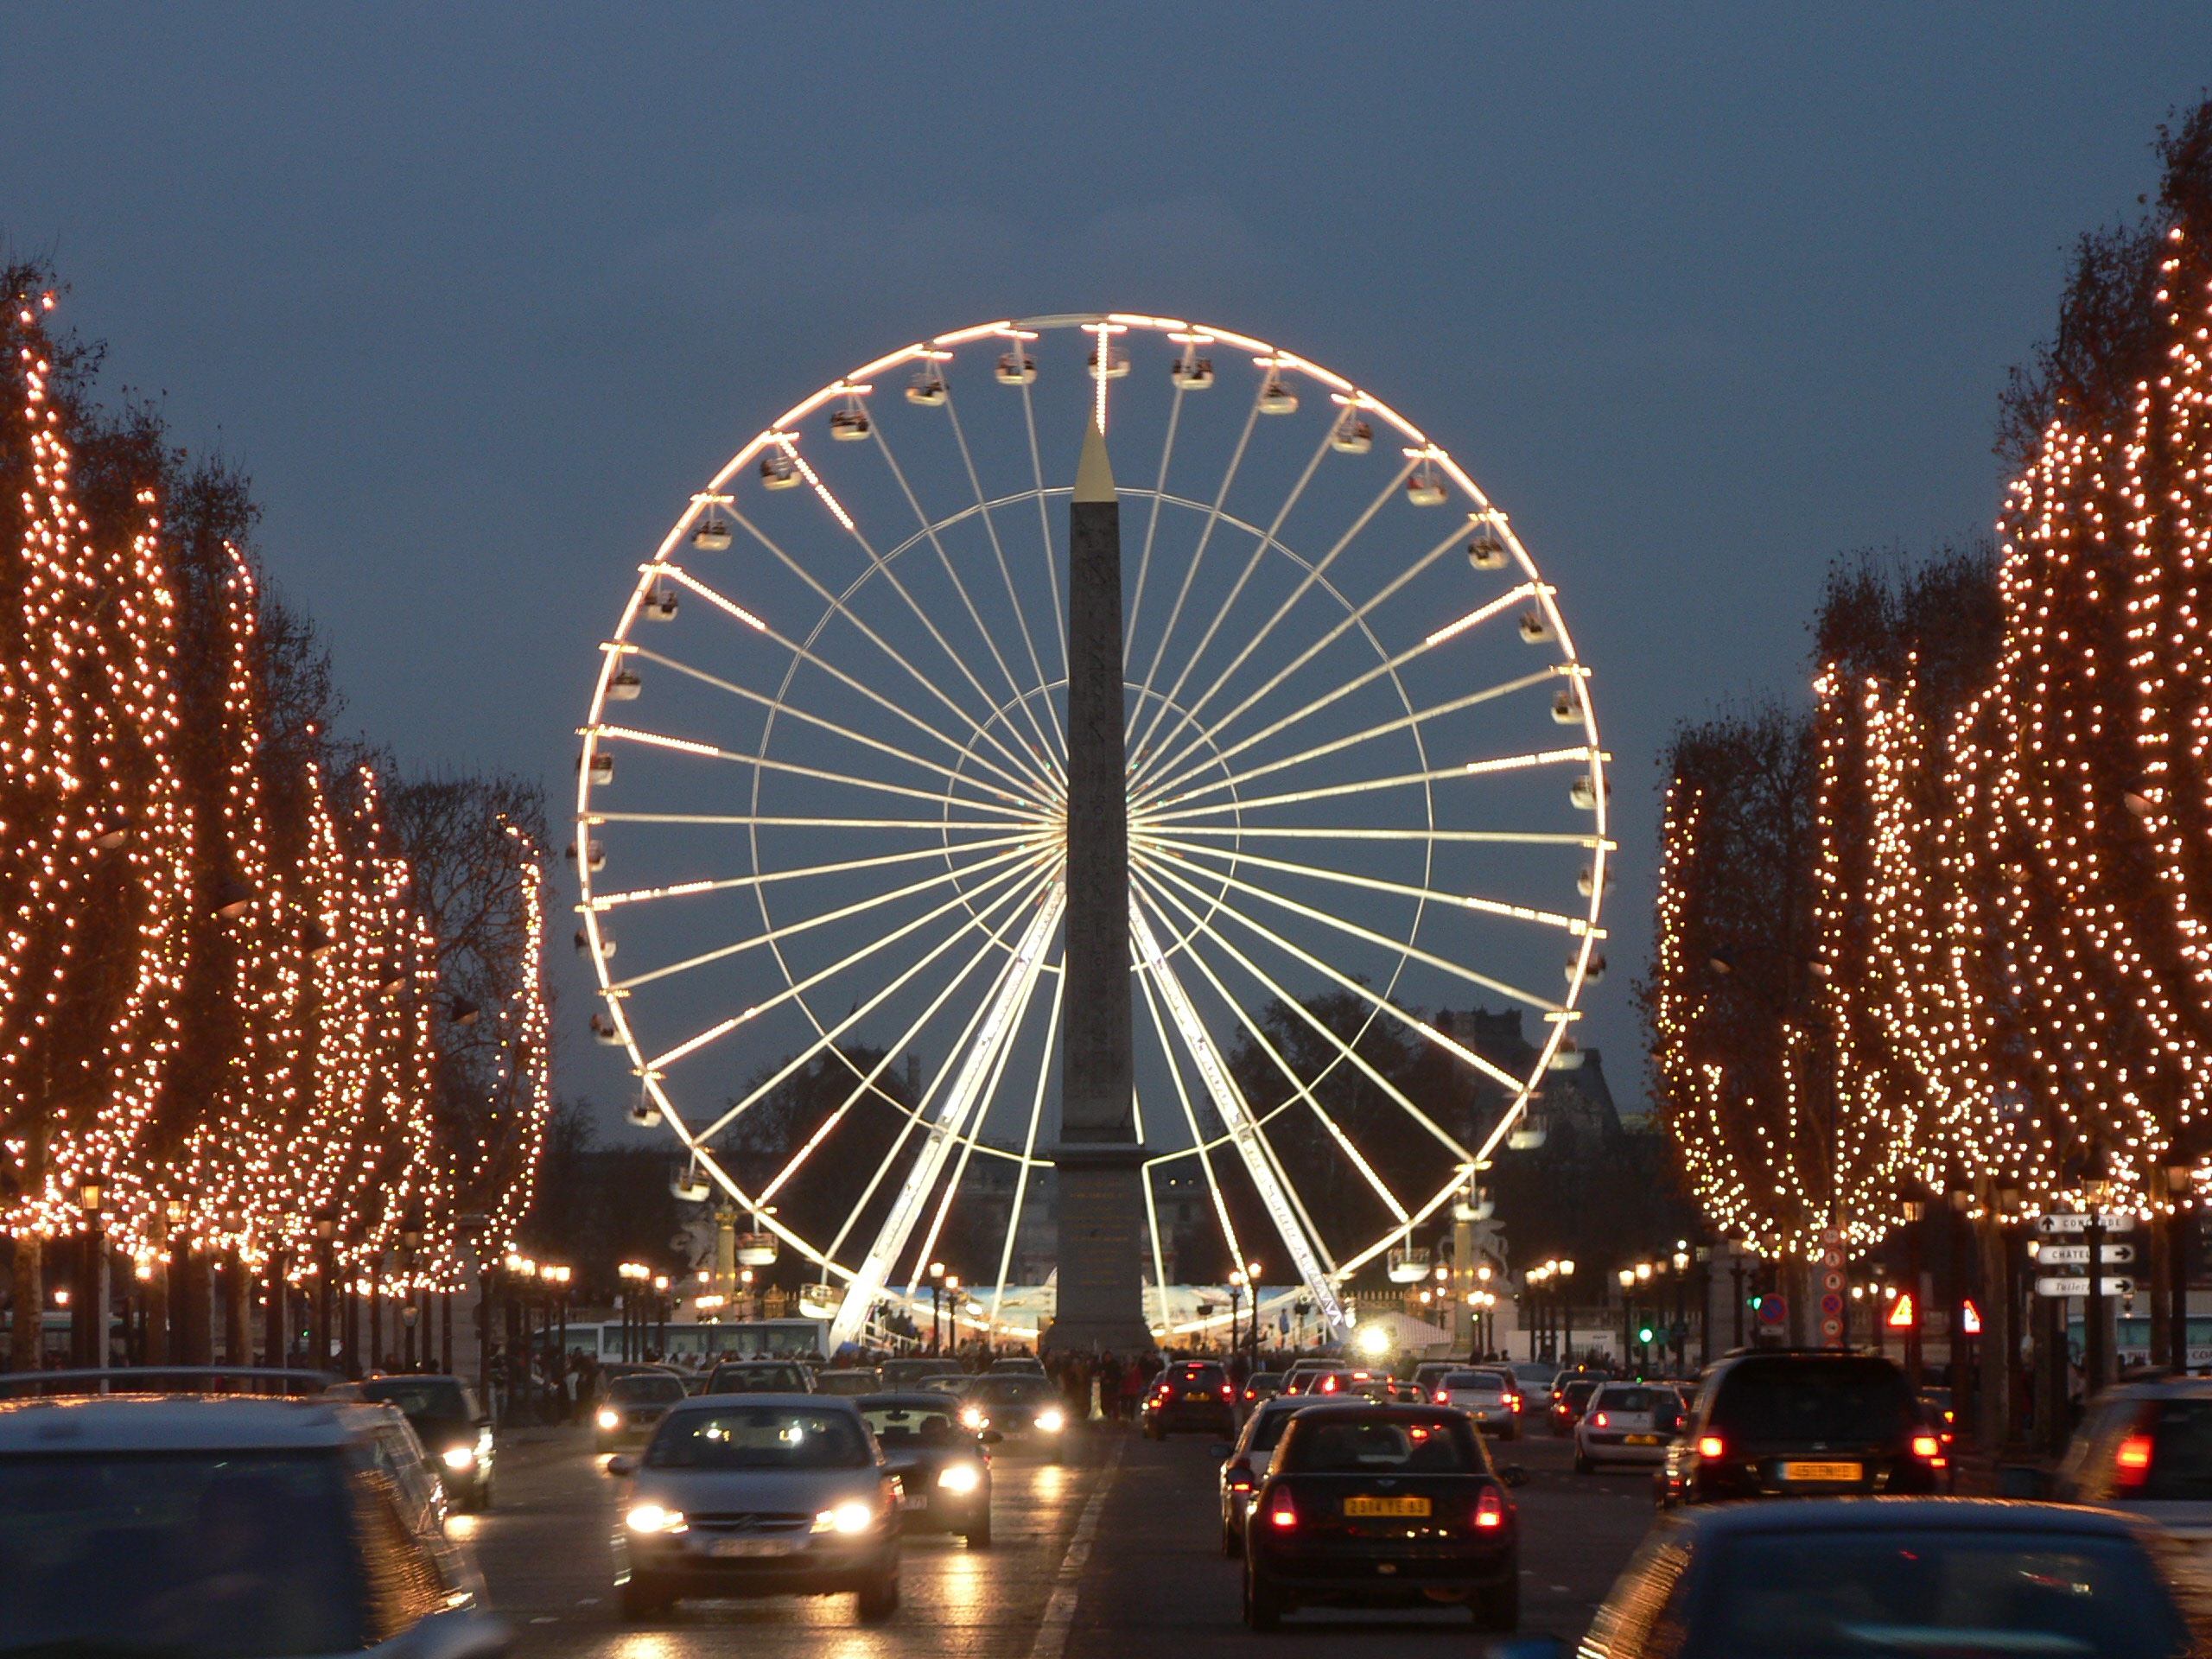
{"points": [[1237, 1114], [1008, 1000]]}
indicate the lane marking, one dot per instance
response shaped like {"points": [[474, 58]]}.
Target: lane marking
{"points": [[1059, 1611]]}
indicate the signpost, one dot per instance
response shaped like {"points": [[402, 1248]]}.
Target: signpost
{"points": [[1832, 1333], [2111, 1221], [2077, 1256], [2108, 1286]]}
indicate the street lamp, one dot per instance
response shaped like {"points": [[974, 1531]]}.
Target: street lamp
{"points": [[1236, 1295], [937, 1303]]}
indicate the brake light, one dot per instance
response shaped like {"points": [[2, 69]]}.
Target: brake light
{"points": [[1927, 1445], [1511, 1403], [1328, 1385], [1240, 1480], [1444, 1396], [1490, 1510], [1711, 1446], [1283, 1514], [1226, 1393], [2132, 1463], [1599, 1421]]}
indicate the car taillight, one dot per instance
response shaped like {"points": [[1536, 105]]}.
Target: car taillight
{"points": [[1283, 1514], [1927, 1445], [1599, 1421], [1240, 1480], [2131, 1465], [1711, 1446], [1328, 1385], [1511, 1403], [1225, 1391], [1444, 1396], [1490, 1510]]}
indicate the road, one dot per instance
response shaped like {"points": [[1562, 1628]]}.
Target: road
{"points": [[1097, 1560]]}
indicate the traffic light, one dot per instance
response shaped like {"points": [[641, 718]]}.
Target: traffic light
{"points": [[1644, 1333]]}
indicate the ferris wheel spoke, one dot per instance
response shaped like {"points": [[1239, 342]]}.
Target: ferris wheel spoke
{"points": [[1006, 573], [1025, 813], [1044, 524], [1354, 832], [1313, 574], [1200, 1143], [1152, 526], [1356, 618], [1367, 786], [1366, 994], [769, 821], [1304, 1243], [604, 901], [1010, 899], [1205, 535], [1140, 799], [1028, 1152], [1275, 988], [790, 929], [1396, 947], [1574, 925], [1265, 541], [980, 732], [820, 722], [1016, 697]]}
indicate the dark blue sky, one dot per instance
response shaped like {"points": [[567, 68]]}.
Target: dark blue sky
{"points": [[1700, 297]]}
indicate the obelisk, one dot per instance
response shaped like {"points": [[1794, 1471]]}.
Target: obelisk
{"points": [[1101, 1304]]}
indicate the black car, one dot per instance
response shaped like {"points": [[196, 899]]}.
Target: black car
{"points": [[1569, 1399], [1025, 1411], [1901, 1578], [760, 1376], [454, 1429], [1367, 1505], [1190, 1394], [944, 1470], [1801, 1424], [1243, 1463]]}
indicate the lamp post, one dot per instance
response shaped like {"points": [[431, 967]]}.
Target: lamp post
{"points": [[326, 1233], [1236, 1296], [1252, 1330], [90, 1322], [1566, 1310], [937, 1305]]}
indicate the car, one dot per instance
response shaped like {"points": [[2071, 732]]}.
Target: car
{"points": [[1391, 1390], [1367, 1505], [1430, 1372], [2146, 1448], [1904, 1576], [758, 1495], [632, 1407], [1259, 1388], [1570, 1399], [1627, 1423], [1533, 1379], [1935, 1410], [1783, 1423], [1017, 1365], [455, 1428], [1243, 1462], [178, 1523], [760, 1376], [1023, 1410], [905, 1373], [1487, 1397], [853, 1379], [944, 1468], [1190, 1394], [1321, 1379]]}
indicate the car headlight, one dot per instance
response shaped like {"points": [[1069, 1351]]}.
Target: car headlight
{"points": [[458, 1457], [971, 1417], [1051, 1419], [651, 1518], [959, 1478], [610, 1419], [850, 1517]]}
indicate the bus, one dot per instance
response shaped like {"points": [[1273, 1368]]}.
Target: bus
{"points": [[797, 1338]]}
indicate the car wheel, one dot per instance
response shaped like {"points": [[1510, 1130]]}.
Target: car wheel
{"points": [[1498, 1610], [979, 1537], [879, 1600], [644, 1599], [1231, 1545], [1262, 1604]]}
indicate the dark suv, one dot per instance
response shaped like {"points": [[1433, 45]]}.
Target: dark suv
{"points": [[1801, 1423], [1190, 1393]]}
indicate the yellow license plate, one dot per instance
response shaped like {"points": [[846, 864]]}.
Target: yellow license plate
{"points": [[1823, 1471], [1639, 1440], [1392, 1506]]}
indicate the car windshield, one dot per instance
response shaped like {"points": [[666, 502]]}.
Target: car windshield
{"points": [[896, 1426], [1196, 1376], [1014, 1391], [1630, 1399], [1475, 1383], [848, 1383], [646, 1390], [1903, 1591], [216, 1555], [1578, 1392], [1340, 1444], [1264, 1380], [1536, 1376], [1802, 1401], [437, 1401], [757, 1379], [757, 1437], [1268, 1429]]}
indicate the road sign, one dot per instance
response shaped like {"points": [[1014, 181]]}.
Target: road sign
{"points": [[2112, 1220], [1969, 1318], [2077, 1256], [1774, 1310], [1831, 1329], [1900, 1315], [2113, 1285], [1831, 1306]]}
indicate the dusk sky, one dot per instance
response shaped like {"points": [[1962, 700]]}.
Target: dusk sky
{"points": [[1702, 297]]}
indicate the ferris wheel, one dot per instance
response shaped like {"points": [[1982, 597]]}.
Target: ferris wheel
{"points": [[821, 811]]}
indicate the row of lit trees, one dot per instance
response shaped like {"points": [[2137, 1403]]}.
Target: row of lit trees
{"points": [[235, 1022], [1953, 931]]}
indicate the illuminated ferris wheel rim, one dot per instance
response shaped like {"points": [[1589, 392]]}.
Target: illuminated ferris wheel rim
{"points": [[781, 438]]}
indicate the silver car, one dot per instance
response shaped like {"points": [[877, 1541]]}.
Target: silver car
{"points": [[190, 1524], [1627, 1422], [758, 1494], [2146, 1448]]}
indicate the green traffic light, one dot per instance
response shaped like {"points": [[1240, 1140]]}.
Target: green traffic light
{"points": [[1644, 1333]]}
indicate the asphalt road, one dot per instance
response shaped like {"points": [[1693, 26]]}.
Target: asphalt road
{"points": [[1096, 1559]]}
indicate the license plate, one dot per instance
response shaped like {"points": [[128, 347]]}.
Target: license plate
{"points": [[1639, 1440], [1386, 1506], [915, 1501], [1823, 1471], [729, 1547]]}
